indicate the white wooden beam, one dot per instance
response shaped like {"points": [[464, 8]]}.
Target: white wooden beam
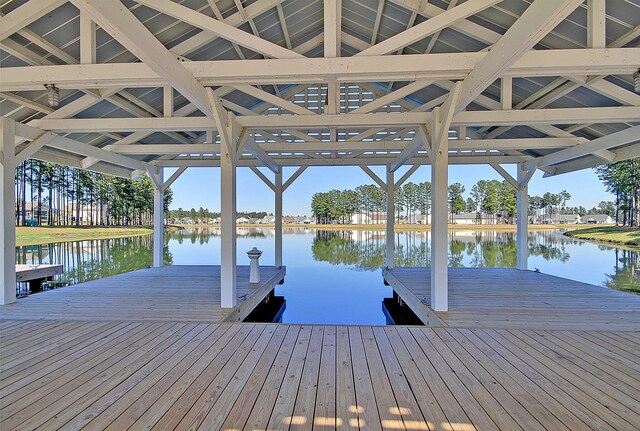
{"points": [[373, 176], [7, 212], [332, 27], [158, 218], [596, 21], [263, 177], [173, 177], [293, 177], [626, 136], [522, 214], [393, 96], [15, 98], [499, 169], [262, 155], [118, 21], [450, 66], [420, 142], [220, 29], [406, 176], [87, 39], [273, 99], [203, 38], [25, 14], [428, 27], [439, 216], [34, 146], [539, 18], [534, 117], [278, 191], [390, 219]]}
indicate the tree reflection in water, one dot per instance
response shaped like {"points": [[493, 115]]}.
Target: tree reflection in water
{"points": [[365, 250], [93, 259]]}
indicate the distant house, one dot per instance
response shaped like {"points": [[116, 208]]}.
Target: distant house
{"points": [[559, 219], [267, 220], [243, 220], [419, 219], [597, 219], [464, 218], [288, 220], [373, 218]]}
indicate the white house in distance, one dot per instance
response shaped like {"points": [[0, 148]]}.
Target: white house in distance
{"points": [[364, 218], [597, 219]]}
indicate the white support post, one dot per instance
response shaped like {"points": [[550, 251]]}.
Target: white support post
{"points": [[228, 227], [158, 220], [278, 214], [522, 235], [390, 237], [7, 212], [439, 216]]}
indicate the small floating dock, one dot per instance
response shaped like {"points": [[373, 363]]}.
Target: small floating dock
{"points": [[35, 274], [169, 293], [514, 299]]}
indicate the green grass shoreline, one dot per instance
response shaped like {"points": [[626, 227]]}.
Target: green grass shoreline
{"points": [[44, 234], [624, 235]]}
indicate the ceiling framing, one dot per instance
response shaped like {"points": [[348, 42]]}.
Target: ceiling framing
{"points": [[149, 83]]}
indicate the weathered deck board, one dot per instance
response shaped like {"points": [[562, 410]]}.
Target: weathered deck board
{"points": [[162, 375], [509, 298], [169, 293]]}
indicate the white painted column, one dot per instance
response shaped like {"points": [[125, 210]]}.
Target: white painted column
{"points": [[158, 221], [7, 212], [390, 237], [278, 215], [439, 218], [228, 228], [522, 234]]}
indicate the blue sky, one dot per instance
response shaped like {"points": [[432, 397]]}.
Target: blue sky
{"points": [[200, 187]]}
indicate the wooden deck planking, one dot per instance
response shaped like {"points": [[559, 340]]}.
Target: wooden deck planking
{"points": [[169, 293], [509, 298], [202, 376]]}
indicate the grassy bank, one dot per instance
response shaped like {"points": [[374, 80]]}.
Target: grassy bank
{"points": [[614, 234], [44, 234], [400, 227]]}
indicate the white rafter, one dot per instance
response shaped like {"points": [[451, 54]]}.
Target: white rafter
{"points": [[539, 18]]}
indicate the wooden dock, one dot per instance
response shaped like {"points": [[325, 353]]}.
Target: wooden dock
{"points": [[151, 357], [514, 299], [204, 376], [37, 272], [175, 293]]}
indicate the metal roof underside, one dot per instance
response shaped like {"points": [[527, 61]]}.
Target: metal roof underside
{"points": [[53, 38]]}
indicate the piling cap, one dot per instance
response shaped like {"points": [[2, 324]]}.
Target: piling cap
{"points": [[254, 252]]}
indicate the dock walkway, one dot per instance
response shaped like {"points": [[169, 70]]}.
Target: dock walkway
{"points": [[513, 299], [152, 358]]}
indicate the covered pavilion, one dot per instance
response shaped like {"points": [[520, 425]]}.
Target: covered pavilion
{"points": [[135, 87], [147, 85]]}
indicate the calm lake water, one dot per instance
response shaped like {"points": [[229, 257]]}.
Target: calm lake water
{"points": [[334, 276]]}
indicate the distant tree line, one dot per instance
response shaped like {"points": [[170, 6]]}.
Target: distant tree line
{"points": [[62, 196], [622, 179], [490, 200]]}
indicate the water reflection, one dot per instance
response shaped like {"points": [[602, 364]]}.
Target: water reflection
{"points": [[93, 259], [483, 249], [346, 250]]}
